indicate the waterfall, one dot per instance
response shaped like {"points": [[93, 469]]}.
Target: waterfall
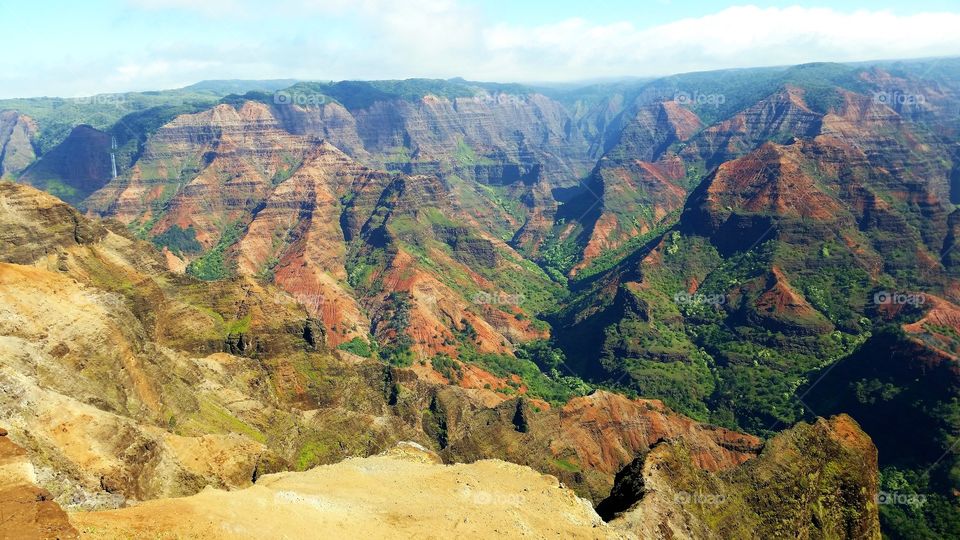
{"points": [[113, 155]]}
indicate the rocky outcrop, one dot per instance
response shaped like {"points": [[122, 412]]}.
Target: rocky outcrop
{"points": [[772, 302], [494, 138], [636, 185], [586, 441], [369, 498], [812, 198], [206, 170], [345, 240], [653, 129], [454, 299], [34, 225], [86, 358], [298, 236], [811, 190], [85, 389], [812, 481], [28, 511], [779, 118], [770, 181], [939, 326], [632, 198], [17, 135]]}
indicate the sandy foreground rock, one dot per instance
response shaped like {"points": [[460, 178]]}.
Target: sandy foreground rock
{"points": [[26, 510], [404, 493]]}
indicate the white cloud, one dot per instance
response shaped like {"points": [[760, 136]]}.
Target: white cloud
{"points": [[365, 39], [444, 38], [131, 74], [735, 37]]}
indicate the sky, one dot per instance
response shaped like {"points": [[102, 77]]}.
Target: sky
{"points": [[70, 48]]}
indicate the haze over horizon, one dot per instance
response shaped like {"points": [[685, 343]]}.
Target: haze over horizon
{"points": [[109, 46]]}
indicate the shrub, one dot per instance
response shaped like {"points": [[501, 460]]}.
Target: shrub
{"points": [[357, 346]]}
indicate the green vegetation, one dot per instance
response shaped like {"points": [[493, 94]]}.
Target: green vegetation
{"points": [[713, 356], [357, 346], [448, 367], [554, 388], [139, 124], [910, 408], [178, 240], [239, 326], [502, 197], [286, 170], [466, 156], [566, 465], [745, 361], [213, 265], [399, 350], [311, 454], [129, 115], [212, 417], [742, 88], [500, 202], [559, 258], [909, 510], [611, 257], [266, 274], [60, 190]]}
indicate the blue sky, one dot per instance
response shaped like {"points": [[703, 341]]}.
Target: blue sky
{"points": [[81, 48]]}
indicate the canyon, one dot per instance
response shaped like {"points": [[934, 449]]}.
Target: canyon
{"points": [[636, 294]]}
